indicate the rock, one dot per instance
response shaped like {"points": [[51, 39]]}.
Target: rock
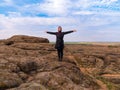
{"points": [[27, 65], [11, 50], [33, 46], [114, 78], [9, 80], [23, 76], [99, 60], [7, 42], [30, 86], [31, 63], [24, 39]]}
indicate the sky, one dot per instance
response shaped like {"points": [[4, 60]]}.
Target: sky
{"points": [[94, 20]]}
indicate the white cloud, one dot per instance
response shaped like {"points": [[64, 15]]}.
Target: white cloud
{"points": [[30, 25], [71, 14], [49, 7], [108, 1], [66, 7], [14, 14], [7, 3], [105, 13], [83, 13], [55, 6], [36, 26]]}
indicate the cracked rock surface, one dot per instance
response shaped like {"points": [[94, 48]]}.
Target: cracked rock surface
{"points": [[30, 63]]}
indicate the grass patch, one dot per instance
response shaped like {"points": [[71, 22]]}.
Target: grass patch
{"points": [[110, 85]]}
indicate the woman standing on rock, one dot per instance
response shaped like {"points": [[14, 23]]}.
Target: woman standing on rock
{"points": [[59, 41]]}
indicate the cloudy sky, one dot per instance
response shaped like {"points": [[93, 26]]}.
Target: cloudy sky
{"points": [[94, 20]]}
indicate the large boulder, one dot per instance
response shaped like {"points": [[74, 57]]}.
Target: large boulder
{"points": [[24, 39], [28, 64]]}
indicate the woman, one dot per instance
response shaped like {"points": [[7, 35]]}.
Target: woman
{"points": [[59, 41]]}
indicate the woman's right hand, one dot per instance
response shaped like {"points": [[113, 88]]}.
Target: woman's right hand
{"points": [[45, 31]]}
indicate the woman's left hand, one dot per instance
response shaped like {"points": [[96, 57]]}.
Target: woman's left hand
{"points": [[74, 30]]}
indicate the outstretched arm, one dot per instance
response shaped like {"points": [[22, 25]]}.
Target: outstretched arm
{"points": [[69, 31], [53, 33]]}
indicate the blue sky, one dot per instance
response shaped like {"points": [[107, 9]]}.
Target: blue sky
{"points": [[94, 20]]}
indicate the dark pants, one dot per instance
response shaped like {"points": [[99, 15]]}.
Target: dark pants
{"points": [[60, 53]]}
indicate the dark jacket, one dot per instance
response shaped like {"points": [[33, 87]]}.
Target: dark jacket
{"points": [[59, 38]]}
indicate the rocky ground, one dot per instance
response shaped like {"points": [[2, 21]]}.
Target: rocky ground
{"points": [[100, 61], [30, 63]]}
